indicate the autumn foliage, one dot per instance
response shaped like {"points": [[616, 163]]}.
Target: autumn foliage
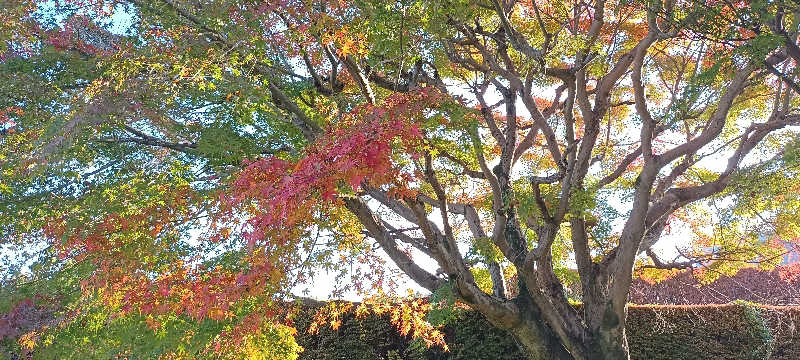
{"points": [[197, 169]]}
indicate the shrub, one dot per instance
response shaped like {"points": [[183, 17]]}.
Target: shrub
{"points": [[740, 331]]}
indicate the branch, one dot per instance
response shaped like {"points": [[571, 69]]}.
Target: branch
{"points": [[361, 79], [717, 120], [465, 168], [488, 116], [669, 265], [379, 233], [307, 126], [181, 147], [399, 234], [517, 40], [495, 271]]}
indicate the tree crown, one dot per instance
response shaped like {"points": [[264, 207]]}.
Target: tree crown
{"points": [[167, 162]]}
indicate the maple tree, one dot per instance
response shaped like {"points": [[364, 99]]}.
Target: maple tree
{"points": [[183, 166]]}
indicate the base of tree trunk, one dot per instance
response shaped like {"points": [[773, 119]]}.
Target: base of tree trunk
{"points": [[538, 342]]}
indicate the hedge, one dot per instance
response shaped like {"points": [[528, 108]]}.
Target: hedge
{"points": [[784, 322], [735, 331], [732, 331]]}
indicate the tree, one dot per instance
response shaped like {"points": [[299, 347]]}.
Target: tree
{"points": [[167, 162]]}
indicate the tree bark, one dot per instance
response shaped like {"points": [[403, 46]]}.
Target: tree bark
{"points": [[609, 341], [538, 342], [611, 344], [535, 338], [606, 340]]}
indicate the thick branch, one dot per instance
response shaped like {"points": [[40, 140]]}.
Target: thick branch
{"points": [[406, 264]]}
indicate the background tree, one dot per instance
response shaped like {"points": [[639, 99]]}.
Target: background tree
{"points": [[191, 162]]}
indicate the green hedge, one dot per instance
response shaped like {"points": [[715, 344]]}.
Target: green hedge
{"points": [[733, 331], [784, 322]]}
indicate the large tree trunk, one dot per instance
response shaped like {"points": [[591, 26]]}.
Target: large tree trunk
{"points": [[538, 342], [535, 338], [605, 341], [608, 344], [605, 336], [612, 346]]}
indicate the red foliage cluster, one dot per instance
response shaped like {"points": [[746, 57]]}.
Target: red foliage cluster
{"points": [[6, 123], [95, 238], [280, 197], [195, 293], [778, 287], [359, 151], [79, 33], [126, 276]]}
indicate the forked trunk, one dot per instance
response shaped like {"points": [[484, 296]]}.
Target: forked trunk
{"points": [[607, 345], [538, 342], [609, 342]]}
